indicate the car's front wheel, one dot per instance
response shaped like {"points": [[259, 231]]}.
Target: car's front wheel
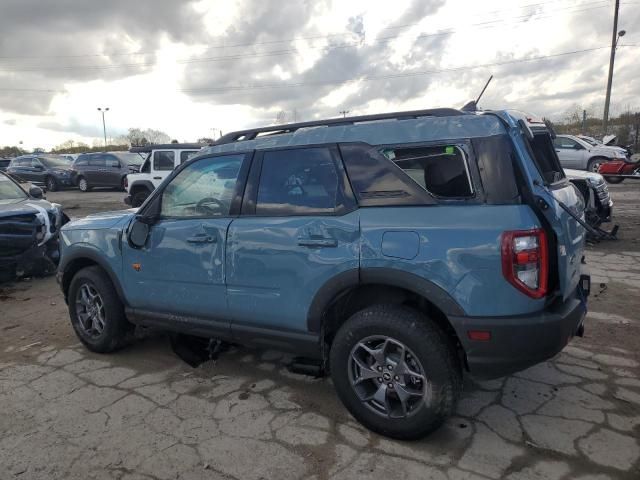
{"points": [[96, 312], [51, 184], [395, 371], [594, 164]]}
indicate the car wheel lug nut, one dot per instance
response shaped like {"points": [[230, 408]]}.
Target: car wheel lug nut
{"points": [[396, 378], [380, 379], [390, 385]]}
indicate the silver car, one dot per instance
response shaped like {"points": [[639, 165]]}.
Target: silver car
{"points": [[576, 153]]}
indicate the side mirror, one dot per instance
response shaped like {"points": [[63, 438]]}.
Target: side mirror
{"points": [[138, 233], [36, 192]]}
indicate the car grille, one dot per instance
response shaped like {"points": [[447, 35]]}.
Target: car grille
{"points": [[602, 191]]}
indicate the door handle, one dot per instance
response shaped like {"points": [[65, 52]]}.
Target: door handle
{"points": [[157, 178], [202, 238], [317, 242]]}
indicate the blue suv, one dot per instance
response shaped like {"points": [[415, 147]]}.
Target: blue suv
{"points": [[397, 250]]}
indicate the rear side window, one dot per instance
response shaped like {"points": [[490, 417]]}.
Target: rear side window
{"points": [[97, 161], [186, 155], [440, 170], [545, 158], [298, 182], [163, 160]]}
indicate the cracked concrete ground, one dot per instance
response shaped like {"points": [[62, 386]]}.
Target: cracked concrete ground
{"points": [[143, 414]]}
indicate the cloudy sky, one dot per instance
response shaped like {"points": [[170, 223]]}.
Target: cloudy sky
{"points": [[190, 68]]}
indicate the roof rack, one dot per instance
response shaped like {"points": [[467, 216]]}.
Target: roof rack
{"points": [[165, 146], [252, 133]]}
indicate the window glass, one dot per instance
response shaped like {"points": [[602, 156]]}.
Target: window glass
{"points": [[545, 158], [297, 182], [440, 170], [561, 142], [22, 162], [203, 189], [54, 162], [35, 163], [97, 161], [82, 161], [112, 161], [186, 155], [163, 160]]}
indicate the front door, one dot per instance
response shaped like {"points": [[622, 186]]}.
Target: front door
{"points": [[112, 174], [299, 229], [180, 271], [96, 170], [570, 153]]}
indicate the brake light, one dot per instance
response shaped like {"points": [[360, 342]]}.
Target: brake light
{"points": [[525, 261]]}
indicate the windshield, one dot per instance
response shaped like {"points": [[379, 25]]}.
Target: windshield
{"points": [[9, 190], [55, 162]]}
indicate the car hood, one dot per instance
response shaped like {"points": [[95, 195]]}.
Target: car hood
{"points": [[20, 206], [582, 175], [607, 151], [101, 220]]}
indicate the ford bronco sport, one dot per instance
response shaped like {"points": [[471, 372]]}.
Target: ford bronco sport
{"points": [[398, 250]]}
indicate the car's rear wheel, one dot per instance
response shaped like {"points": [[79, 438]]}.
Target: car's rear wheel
{"points": [[96, 312], [614, 180], [51, 184], [83, 184], [139, 197], [395, 371]]}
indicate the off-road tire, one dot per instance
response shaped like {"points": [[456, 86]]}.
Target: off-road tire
{"points": [[51, 184], [117, 328], [430, 346], [138, 198], [83, 185]]}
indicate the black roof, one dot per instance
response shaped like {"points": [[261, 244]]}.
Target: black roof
{"points": [[167, 146], [252, 133]]}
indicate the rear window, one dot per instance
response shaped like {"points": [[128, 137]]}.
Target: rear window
{"points": [[545, 158], [440, 170], [163, 160]]}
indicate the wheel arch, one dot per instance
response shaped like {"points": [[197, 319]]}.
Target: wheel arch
{"points": [[141, 184], [79, 259], [350, 291]]}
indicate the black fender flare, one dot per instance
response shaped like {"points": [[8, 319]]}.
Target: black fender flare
{"points": [[379, 276], [147, 184], [95, 256]]}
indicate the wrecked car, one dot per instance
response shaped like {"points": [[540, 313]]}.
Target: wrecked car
{"points": [[594, 190], [29, 227], [398, 251]]}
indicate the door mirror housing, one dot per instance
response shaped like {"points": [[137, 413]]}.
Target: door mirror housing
{"points": [[138, 232], [36, 192]]}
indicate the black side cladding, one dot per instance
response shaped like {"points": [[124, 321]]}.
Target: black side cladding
{"points": [[495, 162]]}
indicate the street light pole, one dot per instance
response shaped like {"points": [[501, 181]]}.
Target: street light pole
{"points": [[104, 126], [614, 43]]}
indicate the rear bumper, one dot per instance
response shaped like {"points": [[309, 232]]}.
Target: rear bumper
{"points": [[522, 341]]}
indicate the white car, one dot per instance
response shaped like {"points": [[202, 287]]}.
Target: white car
{"points": [[574, 152], [608, 140], [161, 160]]}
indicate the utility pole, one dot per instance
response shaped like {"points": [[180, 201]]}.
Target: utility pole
{"points": [[614, 43], [104, 126], [637, 129], [344, 113]]}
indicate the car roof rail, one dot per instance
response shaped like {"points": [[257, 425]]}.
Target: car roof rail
{"points": [[165, 146], [252, 133]]}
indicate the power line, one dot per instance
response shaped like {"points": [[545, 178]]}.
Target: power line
{"points": [[487, 24], [271, 42], [223, 90]]}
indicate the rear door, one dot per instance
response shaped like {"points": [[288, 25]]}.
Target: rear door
{"points": [[570, 234], [298, 229]]}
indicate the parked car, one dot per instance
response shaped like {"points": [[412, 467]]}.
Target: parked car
{"points": [[4, 163], [598, 203], [103, 170], [29, 228], [46, 170], [610, 139], [160, 161], [579, 154], [397, 251]]}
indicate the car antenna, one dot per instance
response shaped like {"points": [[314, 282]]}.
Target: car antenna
{"points": [[472, 106]]}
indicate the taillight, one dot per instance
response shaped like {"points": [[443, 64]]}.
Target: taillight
{"points": [[525, 261], [126, 182]]}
